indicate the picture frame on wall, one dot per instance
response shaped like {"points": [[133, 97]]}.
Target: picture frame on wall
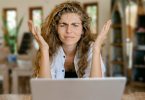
{"points": [[92, 10]]}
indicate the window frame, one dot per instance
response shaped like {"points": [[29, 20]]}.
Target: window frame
{"points": [[31, 9], [86, 5], [5, 14]]}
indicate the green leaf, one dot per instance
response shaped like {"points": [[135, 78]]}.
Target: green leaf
{"points": [[10, 36], [19, 25]]}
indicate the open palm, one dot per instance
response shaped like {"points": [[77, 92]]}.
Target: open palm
{"points": [[103, 34], [37, 35]]}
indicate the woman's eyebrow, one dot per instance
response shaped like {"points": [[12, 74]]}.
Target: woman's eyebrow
{"points": [[62, 23], [71, 23], [76, 23]]}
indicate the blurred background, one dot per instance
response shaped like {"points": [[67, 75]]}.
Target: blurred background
{"points": [[123, 53]]}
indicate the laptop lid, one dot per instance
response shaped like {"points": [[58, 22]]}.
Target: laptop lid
{"points": [[78, 89]]}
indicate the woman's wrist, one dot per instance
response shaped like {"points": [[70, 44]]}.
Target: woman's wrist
{"points": [[96, 50], [44, 50], [97, 47]]}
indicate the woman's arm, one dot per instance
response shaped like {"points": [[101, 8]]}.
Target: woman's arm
{"points": [[44, 64], [96, 70]]}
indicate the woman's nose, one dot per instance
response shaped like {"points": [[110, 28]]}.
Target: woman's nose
{"points": [[69, 29]]}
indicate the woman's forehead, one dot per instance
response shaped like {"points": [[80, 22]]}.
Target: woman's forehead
{"points": [[70, 17]]}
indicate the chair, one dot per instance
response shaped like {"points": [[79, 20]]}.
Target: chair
{"points": [[26, 43], [4, 70], [23, 71]]}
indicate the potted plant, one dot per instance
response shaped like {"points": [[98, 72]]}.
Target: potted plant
{"points": [[10, 35], [10, 39]]}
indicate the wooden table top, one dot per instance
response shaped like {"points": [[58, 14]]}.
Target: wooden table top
{"points": [[131, 96], [134, 96], [15, 97]]}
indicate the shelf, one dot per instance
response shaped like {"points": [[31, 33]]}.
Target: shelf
{"points": [[117, 44], [138, 83], [117, 62], [116, 57], [140, 33], [139, 66], [116, 26], [141, 47]]}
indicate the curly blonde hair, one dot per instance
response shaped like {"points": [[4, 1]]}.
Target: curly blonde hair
{"points": [[50, 35]]}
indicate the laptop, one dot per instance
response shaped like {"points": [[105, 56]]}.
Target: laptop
{"points": [[78, 89]]}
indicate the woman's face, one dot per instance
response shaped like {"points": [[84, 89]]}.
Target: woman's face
{"points": [[70, 29]]}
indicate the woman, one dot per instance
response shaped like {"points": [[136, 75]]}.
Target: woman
{"points": [[67, 49]]}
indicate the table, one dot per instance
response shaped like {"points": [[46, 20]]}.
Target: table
{"points": [[130, 96], [5, 74], [15, 97], [16, 73], [134, 96]]}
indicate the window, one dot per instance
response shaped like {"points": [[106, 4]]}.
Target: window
{"points": [[36, 16], [10, 20], [92, 11]]}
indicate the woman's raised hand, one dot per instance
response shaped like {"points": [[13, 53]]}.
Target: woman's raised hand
{"points": [[37, 35], [102, 35]]}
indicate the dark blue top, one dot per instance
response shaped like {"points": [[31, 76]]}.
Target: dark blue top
{"points": [[70, 74]]}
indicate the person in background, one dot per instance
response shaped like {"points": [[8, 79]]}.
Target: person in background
{"points": [[67, 49]]}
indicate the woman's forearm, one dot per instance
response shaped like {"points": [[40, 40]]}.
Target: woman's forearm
{"points": [[44, 64], [96, 70]]}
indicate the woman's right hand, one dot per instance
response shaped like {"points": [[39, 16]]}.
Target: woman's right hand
{"points": [[37, 35]]}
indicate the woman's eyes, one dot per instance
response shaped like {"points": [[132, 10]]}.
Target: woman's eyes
{"points": [[62, 25], [75, 25], [65, 25]]}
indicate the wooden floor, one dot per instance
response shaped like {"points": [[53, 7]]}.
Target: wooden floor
{"points": [[134, 87]]}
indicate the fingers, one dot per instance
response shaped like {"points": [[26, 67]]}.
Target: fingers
{"points": [[38, 34], [109, 22], [38, 30], [31, 27], [106, 27], [103, 35], [34, 30]]}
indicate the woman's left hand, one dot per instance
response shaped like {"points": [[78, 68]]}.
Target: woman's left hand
{"points": [[102, 35]]}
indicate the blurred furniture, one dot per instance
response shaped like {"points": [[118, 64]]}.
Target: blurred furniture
{"points": [[5, 78], [12, 74], [26, 43], [117, 62], [16, 74], [138, 71], [131, 96], [4, 70], [19, 74], [23, 71]]}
